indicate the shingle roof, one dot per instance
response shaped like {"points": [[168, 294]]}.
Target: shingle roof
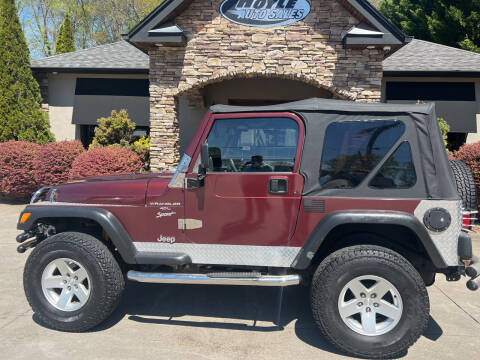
{"points": [[118, 56], [424, 56], [418, 56]]}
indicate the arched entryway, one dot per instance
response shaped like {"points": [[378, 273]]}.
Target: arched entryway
{"points": [[194, 102]]}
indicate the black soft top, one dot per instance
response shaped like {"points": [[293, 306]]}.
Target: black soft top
{"points": [[316, 104], [436, 180]]}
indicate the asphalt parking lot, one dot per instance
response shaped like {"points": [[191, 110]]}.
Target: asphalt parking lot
{"points": [[202, 322]]}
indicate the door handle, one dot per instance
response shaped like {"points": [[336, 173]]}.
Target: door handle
{"points": [[278, 186]]}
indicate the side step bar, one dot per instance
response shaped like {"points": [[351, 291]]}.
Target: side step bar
{"points": [[209, 279]]}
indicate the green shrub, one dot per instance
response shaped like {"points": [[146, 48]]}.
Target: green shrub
{"points": [[115, 129], [445, 129], [142, 148]]}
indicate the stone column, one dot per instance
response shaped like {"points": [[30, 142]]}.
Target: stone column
{"points": [[166, 67], [164, 129]]}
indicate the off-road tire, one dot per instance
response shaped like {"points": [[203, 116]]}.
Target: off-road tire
{"points": [[105, 274], [465, 184], [346, 264]]}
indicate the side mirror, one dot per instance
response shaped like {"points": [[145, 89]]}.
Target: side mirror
{"points": [[202, 170], [194, 183], [204, 156]]}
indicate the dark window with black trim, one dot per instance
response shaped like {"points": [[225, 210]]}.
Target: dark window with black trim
{"points": [[398, 172], [431, 91], [112, 87], [253, 145], [352, 149]]}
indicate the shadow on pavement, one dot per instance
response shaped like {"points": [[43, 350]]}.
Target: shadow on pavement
{"points": [[261, 309], [5, 201]]}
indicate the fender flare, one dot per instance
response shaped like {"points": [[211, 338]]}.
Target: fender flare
{"points": [[374, 217], [109, 222]]}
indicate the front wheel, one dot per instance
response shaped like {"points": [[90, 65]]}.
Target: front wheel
{"points": [[369, 301], [72, 281]]}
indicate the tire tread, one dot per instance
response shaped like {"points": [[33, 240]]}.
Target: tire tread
{"points": [[465, 184], [113, 279]]}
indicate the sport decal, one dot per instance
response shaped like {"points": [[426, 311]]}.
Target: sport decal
{"points": [[265, 13], [165, 214]]}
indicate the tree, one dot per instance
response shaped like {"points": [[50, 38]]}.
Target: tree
{"points": [[94, 22], [65, 39], [447, 22], [41, 20], [20, 115]]}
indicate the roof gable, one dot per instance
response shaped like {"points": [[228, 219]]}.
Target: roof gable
{"points": [[388, 34]]}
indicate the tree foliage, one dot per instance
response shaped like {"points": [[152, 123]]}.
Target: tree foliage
{"points": [[20, 115], [65, 39], [448, 22], [94, 22]]}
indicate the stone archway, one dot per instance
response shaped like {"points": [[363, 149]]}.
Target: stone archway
{"points": [[182, 109], [192, 88]]}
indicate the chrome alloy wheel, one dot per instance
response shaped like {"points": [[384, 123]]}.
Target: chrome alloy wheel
{"points": [[66, 284], [370, 305]]}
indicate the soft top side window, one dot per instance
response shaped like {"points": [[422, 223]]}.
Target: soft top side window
{"points": [[253, 145], [398, 172], [352, 149]]}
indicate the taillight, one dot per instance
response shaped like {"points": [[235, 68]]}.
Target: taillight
{"points": [[468, 219]]}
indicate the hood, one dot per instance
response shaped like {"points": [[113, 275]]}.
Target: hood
{"points": [[105, 190]]}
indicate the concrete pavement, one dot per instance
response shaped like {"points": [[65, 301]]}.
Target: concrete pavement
{"points": [[208, 322]]}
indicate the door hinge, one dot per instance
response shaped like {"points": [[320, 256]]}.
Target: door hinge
{"points": [[189, 224]]}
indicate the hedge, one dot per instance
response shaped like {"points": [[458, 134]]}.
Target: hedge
{"points": [[17, 179], [26, 166], [109, 160], [53, 161]]}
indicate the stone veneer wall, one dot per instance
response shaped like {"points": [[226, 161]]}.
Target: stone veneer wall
{"points": [[310, 51]]}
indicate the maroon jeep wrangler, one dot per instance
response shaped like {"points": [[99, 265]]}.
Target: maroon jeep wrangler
{"points": [[358, 201]]}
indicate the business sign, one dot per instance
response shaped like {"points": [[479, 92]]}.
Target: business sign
{"points": [[265, 13]]}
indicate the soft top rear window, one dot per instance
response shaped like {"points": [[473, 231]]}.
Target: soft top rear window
{"points": [[352, 149]]}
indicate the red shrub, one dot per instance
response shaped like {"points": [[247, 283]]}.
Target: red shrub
{"points": [[16, 169], [53, 161], [110, 160]]}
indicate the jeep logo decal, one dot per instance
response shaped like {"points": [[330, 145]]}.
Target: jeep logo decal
{"points": [[265, 13]]}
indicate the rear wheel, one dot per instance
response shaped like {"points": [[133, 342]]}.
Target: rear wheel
{"points": [[72, 281], [465, 184], [369, 301]]}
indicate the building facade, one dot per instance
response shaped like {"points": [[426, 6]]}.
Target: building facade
{"points": [[188, 55], [197, 51]]}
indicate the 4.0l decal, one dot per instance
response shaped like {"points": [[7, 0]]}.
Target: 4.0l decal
{"points": [[265, 13]]}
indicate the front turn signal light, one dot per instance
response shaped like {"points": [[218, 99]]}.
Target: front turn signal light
{"points": [[25, 217]]}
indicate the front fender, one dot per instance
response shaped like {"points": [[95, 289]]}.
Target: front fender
{"points": [[334, 219], [109, 222]]}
